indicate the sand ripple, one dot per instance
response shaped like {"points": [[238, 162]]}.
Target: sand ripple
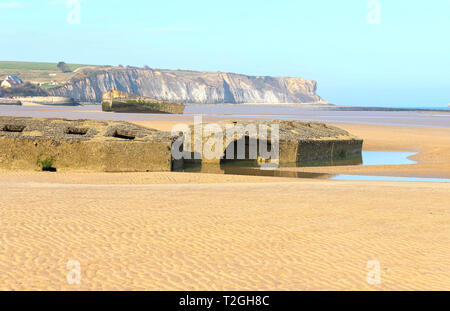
{"points": [[260, 235]]}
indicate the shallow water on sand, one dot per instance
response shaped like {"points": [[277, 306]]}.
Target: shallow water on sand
{"points": [[331, 114], [369, 158], [387, 158], [388, 178]]}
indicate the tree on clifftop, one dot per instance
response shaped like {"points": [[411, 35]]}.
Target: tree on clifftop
{"points": [[63, 67]]}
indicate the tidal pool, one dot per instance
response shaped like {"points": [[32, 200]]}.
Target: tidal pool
{"points": [[387, 158], [368, 158], [388, 178]]}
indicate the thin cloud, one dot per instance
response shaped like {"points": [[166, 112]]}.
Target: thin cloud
{"points": [[172, 29], [56, 3], [12, 5], [59, 2]]}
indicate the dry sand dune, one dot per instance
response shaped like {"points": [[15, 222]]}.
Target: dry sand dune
{"points": [[175, 231]]}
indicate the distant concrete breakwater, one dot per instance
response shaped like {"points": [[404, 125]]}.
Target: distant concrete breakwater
{"points": [[10, 101], [46, 100]]}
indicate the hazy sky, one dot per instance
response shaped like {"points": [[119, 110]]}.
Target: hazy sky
{"points": [[399, 57]]}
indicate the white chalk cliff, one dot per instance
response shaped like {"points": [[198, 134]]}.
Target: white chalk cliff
{"points": [[189, 86]]}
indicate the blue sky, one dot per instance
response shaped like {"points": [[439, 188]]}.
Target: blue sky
{"points": [[402, 61]]}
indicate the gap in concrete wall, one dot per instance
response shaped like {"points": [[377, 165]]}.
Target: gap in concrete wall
{"points": [[77, 131], [124, 135], [12, 128], [246, 160]]}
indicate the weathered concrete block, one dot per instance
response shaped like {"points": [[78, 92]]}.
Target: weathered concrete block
{"points": [[118, 101], [48, 100], [10, 101], [31, 144], [111, 146], [300, 143]]}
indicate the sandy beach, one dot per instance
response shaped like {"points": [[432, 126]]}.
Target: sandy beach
{"points": [[235, 147], [188, 231]]}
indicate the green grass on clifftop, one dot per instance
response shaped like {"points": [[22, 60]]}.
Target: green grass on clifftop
{"points": [[46, 74], [11, 65]]}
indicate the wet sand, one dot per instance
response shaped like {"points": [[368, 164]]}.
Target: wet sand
{"points": [[324, 113], [179, 231]]}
